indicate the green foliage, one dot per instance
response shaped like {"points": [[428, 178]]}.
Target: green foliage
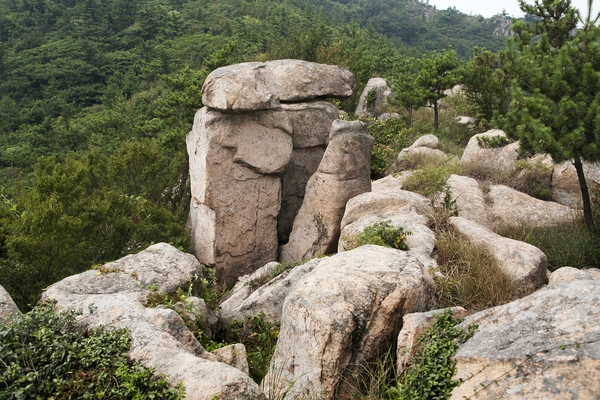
{"points": [[380, 233], [565, 244], [278, 270], [430, 180], [487, 83], [557, 85], [88, 211], [46, 354], [491, 142], [371, 100], [429, 375], [259, 336], [391, 136]]}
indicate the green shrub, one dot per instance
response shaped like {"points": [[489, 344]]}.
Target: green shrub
{"points": [[565, 244], [46, 354], [430, 180], [391, 136], [429, 375], [380, 233], [491, 142], [258, 335]]}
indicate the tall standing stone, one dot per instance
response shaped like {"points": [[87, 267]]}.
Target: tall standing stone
{"points": [[235, 160], [342, 174]]}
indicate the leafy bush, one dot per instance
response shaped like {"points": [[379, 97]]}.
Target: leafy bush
{"points": [[380, 233], [429, 375], [46, 354]]}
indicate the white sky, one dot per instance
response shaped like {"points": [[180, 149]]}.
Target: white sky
{"points": [[488, 8]]}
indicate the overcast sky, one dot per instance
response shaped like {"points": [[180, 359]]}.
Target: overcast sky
{"points": [[488, 8]]}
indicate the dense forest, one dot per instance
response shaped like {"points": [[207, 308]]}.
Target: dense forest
{"points": [[96, 98]]}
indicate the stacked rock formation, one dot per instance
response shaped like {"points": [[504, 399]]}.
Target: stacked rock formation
{"points": [[260, 136]]}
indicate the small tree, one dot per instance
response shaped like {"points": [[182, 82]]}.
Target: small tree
{"points": [[438, 73], [556, 97]]}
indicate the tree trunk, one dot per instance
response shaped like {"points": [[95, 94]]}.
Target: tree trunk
{"points": [[585, 195], [435, 116]]}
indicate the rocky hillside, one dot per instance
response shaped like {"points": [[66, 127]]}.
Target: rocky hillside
{"points": [[266, 127]]}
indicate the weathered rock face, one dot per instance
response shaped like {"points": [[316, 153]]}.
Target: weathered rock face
{"points": [[251, 154], [236, 192], [8, 308], [311, 122], [382, 90], [498, 158], [242, 87], [523, 262], [247, 301], [303, 80], [342, 174], [160, 340], [500, 204], [544, 346], [341, 316], [565, 184], [234, 355], [404, 209]]}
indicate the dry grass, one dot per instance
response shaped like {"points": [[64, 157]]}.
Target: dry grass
{"points": [[467, 274]]}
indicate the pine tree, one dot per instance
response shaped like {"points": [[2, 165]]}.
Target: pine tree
{"points": [[556, 96]]}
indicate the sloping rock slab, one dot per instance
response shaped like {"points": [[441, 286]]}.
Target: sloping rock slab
{"points": [[246, 302], [523, 262], [543, 346], [343, 315], [160, 339], [304, 80]]}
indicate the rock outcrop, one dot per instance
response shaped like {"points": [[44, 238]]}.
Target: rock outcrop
{"points": [[543, 346], [342, 315], [342, 174], [114, 295], [501, 158], [369, 107], [499, 204], [525, 263], [565, 184], [251, 154]]}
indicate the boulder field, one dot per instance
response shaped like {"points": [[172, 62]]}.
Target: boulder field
{"points": [[277, 177]]}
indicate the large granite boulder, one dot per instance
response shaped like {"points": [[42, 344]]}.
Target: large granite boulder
{"points": [[543, 346], [235, 163], [343, 315], [242, 87], [342, 174], [115, 294], [500, 158], [568, 274], [402, 208], [378, 104], [304, 80], [8, 308], [499, 204], [525, 263]]}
